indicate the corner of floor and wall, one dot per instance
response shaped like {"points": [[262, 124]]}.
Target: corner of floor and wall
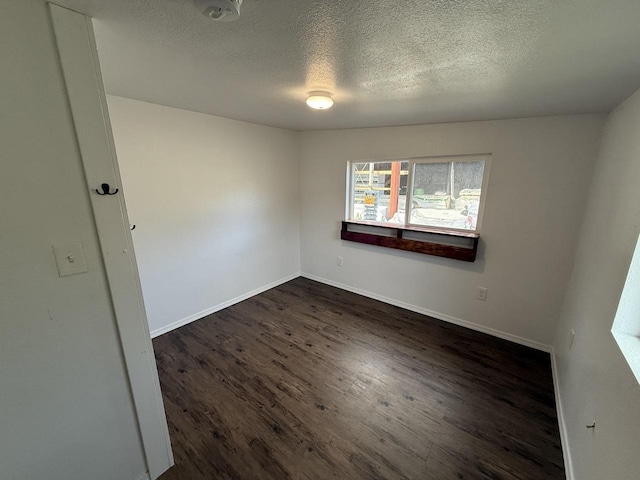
{"points": [[263, 206], [228, 230]]}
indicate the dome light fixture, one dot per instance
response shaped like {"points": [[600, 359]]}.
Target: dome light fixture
{"points": [[319, 100]]}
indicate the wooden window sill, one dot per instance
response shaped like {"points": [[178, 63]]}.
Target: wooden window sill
{"points": [[442, 243]]}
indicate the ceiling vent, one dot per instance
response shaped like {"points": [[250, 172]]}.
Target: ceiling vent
{"points": [[219, 10]]}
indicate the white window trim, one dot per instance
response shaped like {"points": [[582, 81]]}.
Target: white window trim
{"points": [[467, 157], [626, 324]]}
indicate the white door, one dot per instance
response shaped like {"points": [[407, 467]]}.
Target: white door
{"points": [[83, 79]]}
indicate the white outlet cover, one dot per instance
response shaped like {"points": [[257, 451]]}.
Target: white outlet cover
{"points": [[481, 293], [70, 259]]}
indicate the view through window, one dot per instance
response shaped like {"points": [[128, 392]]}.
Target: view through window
{"points": [[443, 192]]}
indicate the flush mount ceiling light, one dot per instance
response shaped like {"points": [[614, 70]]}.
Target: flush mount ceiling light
{"points": [[219, 10], [319, 100]]}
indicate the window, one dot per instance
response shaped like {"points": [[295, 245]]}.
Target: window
{"points": [[433, 193], [626, 325]]}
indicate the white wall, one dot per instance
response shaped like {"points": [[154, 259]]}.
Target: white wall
{"points": [[66, 409], [595, 383], [540, 172], [215, 203]]}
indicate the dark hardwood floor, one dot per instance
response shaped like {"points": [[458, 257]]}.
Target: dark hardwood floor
{"points": [[306, 381]]}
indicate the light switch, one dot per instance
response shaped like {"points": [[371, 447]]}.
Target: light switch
{"points": [[70, 259]]}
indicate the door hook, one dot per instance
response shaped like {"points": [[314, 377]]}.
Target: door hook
{"points": [[105, 190]]}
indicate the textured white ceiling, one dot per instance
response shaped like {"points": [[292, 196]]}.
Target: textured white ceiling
{"points": [[385, 62]]}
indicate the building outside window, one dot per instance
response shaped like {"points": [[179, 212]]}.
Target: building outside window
{"points": [[432, 192]]}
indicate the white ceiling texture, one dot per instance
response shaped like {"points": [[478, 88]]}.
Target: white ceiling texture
{"points": [[384, 62]]}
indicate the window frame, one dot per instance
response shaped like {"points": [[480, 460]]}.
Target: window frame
{"points": [[626, 324], [413, 161]]}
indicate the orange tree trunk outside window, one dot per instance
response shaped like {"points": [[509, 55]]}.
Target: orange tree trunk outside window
{"points": [[395, 189]]}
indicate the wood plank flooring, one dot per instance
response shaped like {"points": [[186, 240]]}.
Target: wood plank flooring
{"points": [[310, 382]]}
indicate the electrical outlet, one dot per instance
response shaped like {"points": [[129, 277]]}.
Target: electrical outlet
{"points": [[340, 261], [481, 293], [573, 337]]}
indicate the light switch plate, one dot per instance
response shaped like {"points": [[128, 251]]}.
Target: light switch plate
{"points": [[70, 259]]}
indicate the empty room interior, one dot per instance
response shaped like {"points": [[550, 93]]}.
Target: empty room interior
{"points": [[318, 239]]}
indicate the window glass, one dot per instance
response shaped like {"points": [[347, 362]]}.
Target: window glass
{"points": [[445, 193], [379, 191]]}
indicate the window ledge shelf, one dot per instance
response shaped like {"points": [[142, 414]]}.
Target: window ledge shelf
{"points": [[442, 243]]}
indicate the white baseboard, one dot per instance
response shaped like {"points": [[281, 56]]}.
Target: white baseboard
{"points": [[144, 476], [564, 437], [431, 313], [440, 316], [228, 303]]}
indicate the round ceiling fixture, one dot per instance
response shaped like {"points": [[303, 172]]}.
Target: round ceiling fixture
{"points": [[219, 10], [319, 100]]}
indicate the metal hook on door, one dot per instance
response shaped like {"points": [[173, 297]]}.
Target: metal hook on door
{"points": [[105, 190]]}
